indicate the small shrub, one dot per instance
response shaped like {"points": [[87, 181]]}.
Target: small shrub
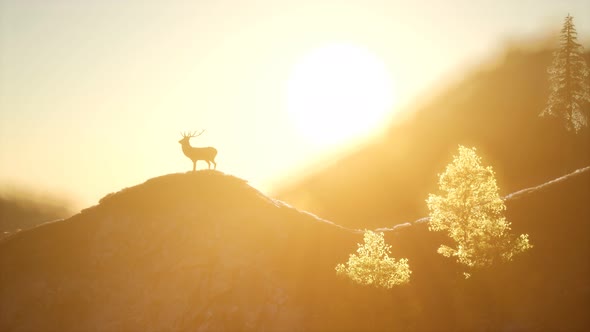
{"points": [[371, 265]]}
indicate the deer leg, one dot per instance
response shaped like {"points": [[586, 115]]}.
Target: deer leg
{"points": [[214, 164], [208, 164], [194, 165]]}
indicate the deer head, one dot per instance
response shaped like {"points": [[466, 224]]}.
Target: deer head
{"points": [[187, 136]]}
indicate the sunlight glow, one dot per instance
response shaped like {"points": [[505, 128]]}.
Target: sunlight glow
{"points": [[338, 92]]}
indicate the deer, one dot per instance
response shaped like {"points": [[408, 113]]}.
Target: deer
{"points": [[207, 154]]}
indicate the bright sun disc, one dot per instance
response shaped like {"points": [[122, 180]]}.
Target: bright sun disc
{"points": [[337, 92]]}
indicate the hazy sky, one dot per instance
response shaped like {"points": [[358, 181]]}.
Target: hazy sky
{"points": [[93, 94]]}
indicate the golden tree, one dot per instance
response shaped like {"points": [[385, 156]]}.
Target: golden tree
{"points": [[472, 213], [371, 265]]}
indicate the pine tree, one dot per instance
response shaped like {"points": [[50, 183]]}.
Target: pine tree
{"points": [[570, 94]]}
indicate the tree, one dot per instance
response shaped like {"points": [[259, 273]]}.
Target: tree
{"points": [[471, 212], [373, 266], [568, 72]]}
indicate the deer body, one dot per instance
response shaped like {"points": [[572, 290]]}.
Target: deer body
{"points": [[207, 154]]}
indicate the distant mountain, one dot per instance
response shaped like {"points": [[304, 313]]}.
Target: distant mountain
{"points": [[494, 109], [204, 251], [25, 209]]}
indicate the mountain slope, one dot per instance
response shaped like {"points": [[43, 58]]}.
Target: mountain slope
{"points": [[494, 109]]}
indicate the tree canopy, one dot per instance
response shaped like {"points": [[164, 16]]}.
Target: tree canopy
{"points": [[371, 265], [471, 212]]}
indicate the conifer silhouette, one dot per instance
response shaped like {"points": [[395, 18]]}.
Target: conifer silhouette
{"points": [[570, 94]]}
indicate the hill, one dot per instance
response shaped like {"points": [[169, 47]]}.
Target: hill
{"points": [[204, 251], [183, 251], [494, 109]]}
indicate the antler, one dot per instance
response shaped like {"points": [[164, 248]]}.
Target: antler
{"points": [[193, 134]]}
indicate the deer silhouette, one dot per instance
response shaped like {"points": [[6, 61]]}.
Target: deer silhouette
{"points": [[207, 154]]}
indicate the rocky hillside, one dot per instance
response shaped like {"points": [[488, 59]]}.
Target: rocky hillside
{"points": [[204, 251]]}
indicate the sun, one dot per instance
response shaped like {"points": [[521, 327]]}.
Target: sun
{"points": [[338, 92]]}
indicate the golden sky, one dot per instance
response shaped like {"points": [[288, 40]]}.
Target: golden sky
{"points": [[93, 94]]}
